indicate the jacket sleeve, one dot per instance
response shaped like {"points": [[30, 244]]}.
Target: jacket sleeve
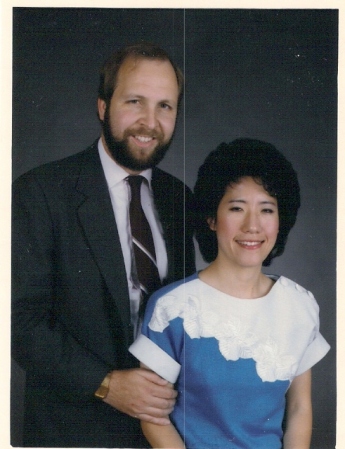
{"points": [[40, 341]]}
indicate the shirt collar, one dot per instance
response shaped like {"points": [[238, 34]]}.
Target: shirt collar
{"points": [[113, 172]]}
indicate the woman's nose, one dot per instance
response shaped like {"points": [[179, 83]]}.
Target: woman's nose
{"points": [[251, 223]]}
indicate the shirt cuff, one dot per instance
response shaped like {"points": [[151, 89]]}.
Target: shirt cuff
{"points": [[314, 353], [151, 355]]}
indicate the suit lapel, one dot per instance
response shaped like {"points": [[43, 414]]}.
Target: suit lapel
{"points": [[99, 226]]}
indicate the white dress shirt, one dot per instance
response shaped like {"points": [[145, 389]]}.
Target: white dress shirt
{"points": [[120, 193]]}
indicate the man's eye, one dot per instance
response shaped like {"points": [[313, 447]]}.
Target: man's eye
{"points": [[166, 106]]}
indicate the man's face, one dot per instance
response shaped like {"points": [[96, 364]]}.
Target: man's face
{"points": [[139, 122]]}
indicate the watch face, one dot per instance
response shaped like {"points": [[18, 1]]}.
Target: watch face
{"points": [[102, 392], [103, 388]]}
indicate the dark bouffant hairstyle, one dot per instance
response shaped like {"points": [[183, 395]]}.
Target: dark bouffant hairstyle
{"points": [[225, 166], [111, 67]]}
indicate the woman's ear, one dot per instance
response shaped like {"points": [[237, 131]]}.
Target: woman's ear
{"points": [[212, 223]]}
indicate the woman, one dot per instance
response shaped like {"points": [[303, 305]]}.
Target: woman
{"points": [[234, 341]]}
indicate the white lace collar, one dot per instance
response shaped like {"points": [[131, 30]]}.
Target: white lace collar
{"points": [[203, 318]]}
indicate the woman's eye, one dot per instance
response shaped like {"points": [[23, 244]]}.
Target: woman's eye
{"points": [[268, 211], [235, 209]]}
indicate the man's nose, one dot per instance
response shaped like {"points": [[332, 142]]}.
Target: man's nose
{"points": [[149, 117]]}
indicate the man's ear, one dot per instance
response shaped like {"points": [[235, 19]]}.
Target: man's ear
{"points": [[212, 223], [101, 107]]}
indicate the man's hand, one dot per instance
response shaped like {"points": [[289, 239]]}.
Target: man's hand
{"points": [[141, 394]]}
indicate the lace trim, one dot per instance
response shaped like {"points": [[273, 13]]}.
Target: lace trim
{"points": [[235, 339]]}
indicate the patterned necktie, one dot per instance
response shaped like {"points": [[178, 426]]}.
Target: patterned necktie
{"points": [[143, 246]]}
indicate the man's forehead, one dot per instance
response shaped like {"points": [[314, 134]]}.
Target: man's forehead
{"points": [[140, 71], [131, 63]]}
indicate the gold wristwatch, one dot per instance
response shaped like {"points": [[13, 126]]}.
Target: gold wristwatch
{"points": [[103, 389]]}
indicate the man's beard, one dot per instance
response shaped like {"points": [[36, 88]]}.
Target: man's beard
{"points": [[123, 154]]}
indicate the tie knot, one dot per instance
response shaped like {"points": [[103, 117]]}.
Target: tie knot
{"points": [[135, 181]]}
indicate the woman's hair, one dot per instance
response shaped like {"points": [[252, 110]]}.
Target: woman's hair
{"points": [[143, 50], [225, 166]]}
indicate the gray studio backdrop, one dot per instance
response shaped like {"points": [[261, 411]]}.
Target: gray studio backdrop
{"points": [[266, 74]]}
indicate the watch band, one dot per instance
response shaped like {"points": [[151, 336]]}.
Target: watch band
{"points": [[103, 389]]}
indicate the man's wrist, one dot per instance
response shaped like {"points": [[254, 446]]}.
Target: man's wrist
{"points": [[103, 389]]}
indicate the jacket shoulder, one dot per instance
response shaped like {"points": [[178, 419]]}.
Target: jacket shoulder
{"points": [[161, 178], [61, 168], [69, 162]]}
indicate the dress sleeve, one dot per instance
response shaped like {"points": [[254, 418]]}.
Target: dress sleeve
{"points": [[160, 344], [317, 349], [318, 346]]}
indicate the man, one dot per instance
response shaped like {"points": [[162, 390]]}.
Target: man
{"points": [[76, 280]]}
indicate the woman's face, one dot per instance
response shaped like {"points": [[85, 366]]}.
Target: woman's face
{"points": [[247, 224]]}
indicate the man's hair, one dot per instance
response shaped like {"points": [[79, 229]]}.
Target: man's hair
{"points": [[111, 67], [226, 166]]}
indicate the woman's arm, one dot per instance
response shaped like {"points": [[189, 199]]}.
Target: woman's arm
{"points": [[299, 413], [161, 436]]}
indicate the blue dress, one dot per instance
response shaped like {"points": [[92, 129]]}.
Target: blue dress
{"points": [[231, 360]]}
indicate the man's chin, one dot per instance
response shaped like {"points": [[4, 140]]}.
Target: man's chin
{"points": [[136, 164], [144, 159], [141, 164], [142, 155], [134, 158]]}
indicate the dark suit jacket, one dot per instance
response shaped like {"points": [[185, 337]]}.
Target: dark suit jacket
{"points": [[71, 315]]}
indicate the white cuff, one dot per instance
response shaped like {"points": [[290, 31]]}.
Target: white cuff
{"points": [[155, 358], [314, 353]]}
